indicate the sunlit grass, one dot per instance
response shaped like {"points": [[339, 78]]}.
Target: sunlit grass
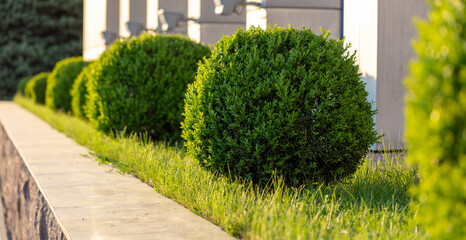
{"points": [[374, 204]]}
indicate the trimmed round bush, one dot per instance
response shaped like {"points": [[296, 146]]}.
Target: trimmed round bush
{"points": [[436, 120], [138, 85], [60, 81], [279, 100], [35, 88], [79, 93], [22, 85]]}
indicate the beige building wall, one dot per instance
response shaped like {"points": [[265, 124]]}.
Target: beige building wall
{"points": [[381, 33], [180, 6], [209, 27], [325, 14], [143, 12], [138, 11], [113, 16], [396, 30]]}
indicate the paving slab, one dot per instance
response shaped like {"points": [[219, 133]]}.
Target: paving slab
{"points": [[92, 201]]}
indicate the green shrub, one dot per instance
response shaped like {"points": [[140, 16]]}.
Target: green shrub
{"points": [[22, 85], [35, 88], [139, 85], [60, 82], [36, 35], [79, 93], [436, 119], [283, 100]]}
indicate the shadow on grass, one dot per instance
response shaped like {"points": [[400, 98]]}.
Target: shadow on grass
{"points": [[378, 183]]}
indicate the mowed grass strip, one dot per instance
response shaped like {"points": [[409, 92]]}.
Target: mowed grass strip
{"points": [[373, 204]]}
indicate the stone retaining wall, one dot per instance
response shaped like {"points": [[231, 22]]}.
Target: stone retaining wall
{"points": [[27, 213]]}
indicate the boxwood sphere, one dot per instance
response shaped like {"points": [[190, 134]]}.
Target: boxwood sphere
{"points": [[138, 85], [22, 85], [79, 92], [279, 100], [60, 81], [35, 88]]}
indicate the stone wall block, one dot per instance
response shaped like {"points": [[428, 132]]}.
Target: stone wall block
{"points": [[27, 213]]}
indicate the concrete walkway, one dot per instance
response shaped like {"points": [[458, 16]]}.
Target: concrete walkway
{"points": [[92, 201]]}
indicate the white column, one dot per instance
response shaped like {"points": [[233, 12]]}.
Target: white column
{"points": [[124, 18], [255, 15], [360, 29], [94, 23], [151, 14], [194, 11]]}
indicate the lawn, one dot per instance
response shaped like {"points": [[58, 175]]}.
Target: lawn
{"points": [[373, 204]]}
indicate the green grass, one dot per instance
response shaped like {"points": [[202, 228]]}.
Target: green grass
{"points": [[374, 204]]}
